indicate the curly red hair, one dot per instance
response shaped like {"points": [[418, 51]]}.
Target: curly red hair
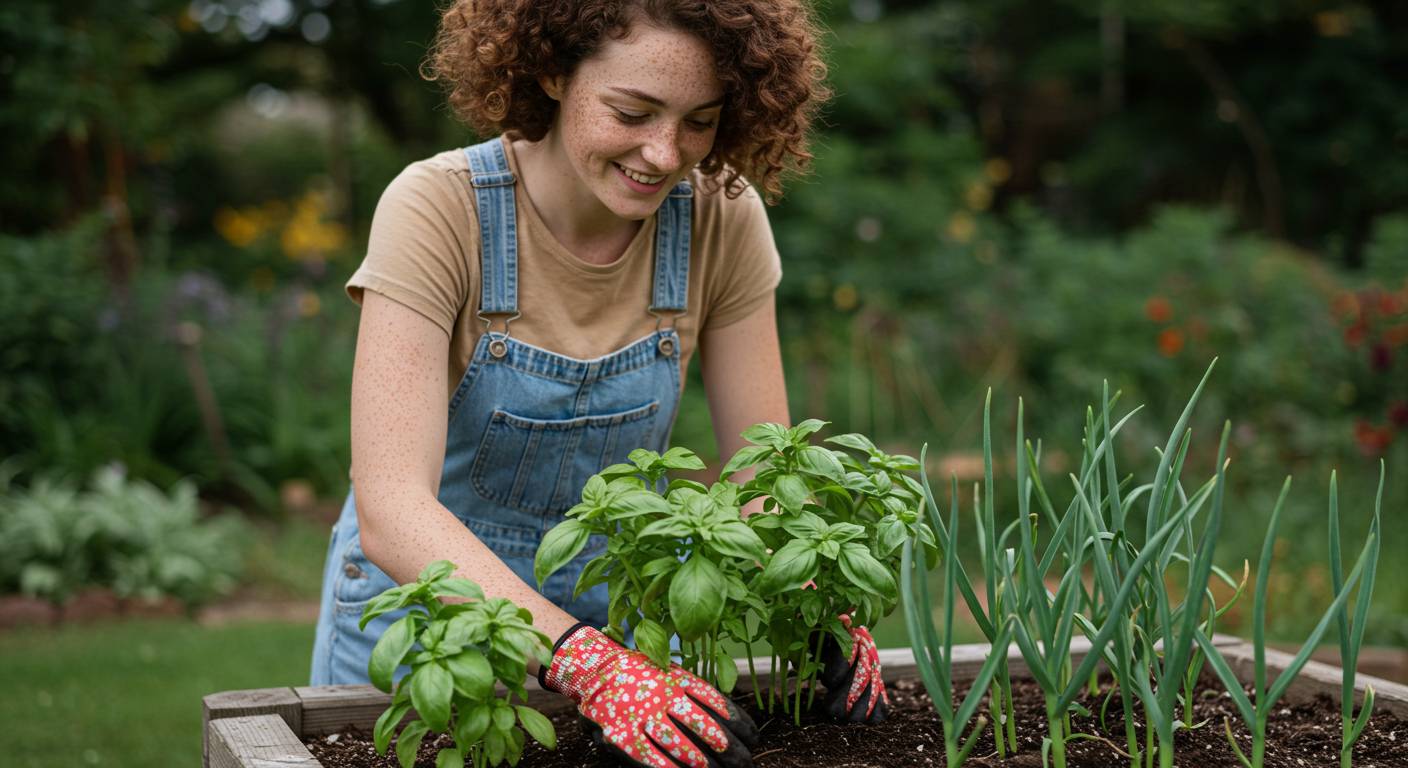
{"points": [[490, 55]]}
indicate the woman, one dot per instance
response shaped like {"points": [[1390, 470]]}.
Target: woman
{"points": [[546, 289]]}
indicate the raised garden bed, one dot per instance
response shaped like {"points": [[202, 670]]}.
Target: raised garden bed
{"points": [[268, 727]]}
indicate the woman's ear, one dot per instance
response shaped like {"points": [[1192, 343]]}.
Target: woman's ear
{"points": [[553, 86]]}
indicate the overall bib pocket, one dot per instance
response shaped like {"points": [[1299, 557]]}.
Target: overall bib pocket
{"points": [[540, 465]]}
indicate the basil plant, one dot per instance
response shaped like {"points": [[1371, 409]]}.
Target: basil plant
{"points": [[682, 560], [456, 653]]}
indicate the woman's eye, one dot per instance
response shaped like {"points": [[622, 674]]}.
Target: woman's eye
{"points": [[701, 125], [630, 117]]}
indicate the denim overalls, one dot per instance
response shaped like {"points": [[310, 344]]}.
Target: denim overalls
{"points": [[527, 427]]}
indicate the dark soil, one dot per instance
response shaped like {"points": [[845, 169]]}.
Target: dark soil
{"points": [[1299, 736]]}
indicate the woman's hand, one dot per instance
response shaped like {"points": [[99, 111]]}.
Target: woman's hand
{"points": [[855, 690], [645, 715]]}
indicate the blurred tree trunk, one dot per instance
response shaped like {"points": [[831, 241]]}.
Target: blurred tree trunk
{"points": [[121, 243]]}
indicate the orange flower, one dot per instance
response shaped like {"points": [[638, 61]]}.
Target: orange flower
{"points": [[1354, 334], [1170, 342], [1346, 304], [1390, 304], [1158, 309], [1396, 336], [1373, 440]]}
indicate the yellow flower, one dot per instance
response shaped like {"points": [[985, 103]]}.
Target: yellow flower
{"points": [[239, 228]]}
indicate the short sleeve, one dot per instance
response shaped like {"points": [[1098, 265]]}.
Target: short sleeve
{"points": [[416, 252], [749, 268]]}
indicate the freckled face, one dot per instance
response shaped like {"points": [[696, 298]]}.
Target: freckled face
{"points": [[635, 118]]}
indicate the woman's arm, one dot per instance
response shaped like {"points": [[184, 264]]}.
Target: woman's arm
{"points": [[399, 409], [743, 379]]}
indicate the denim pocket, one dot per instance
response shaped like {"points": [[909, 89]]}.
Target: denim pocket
{"points": [[540, 465]]}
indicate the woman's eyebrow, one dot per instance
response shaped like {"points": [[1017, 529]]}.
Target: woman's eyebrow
{"points": [[647, 98]]}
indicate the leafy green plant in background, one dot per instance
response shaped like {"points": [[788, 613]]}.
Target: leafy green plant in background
{"points": [[123, 534], [827, 543], [456, 653]]}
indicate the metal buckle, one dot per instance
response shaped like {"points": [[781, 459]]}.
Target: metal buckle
{"points": [[498, 342], [667, 345]]}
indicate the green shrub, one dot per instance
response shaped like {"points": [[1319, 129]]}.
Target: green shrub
{"points": [[126, 535]]}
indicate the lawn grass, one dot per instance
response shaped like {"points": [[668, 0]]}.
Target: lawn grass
{"points": [[129, 693]]}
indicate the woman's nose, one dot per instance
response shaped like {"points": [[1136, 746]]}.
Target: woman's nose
{"points": [[662, 150]]}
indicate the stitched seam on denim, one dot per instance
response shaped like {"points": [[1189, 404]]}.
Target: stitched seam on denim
{"points": [[523, 472]]}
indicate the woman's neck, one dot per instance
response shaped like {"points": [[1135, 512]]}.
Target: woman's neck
{"points": [[574, 216]]}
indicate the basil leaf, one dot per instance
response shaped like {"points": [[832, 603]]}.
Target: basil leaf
{"points": [[636, 503], [431, 688], [801, 432], [595, 489], [537, 726], [769, 434], [746, 457], [503, 717], [735, 539], [558, 547], [449, 758], [806, 525], [790, 568], [854, 441], [437, 570], [863, 570], [790, 491], [815, 460], [472, 674], [681, 458], [669, 528], [390, 649], [892, 533], [473, 724], [458, 588], [696, 600], [386, 725], [653, 641], [592, 575], [385, 602], [408, 743], [727, 671]]}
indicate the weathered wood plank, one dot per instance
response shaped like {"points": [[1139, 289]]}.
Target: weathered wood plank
{"points": [[258, 701], [257, 741], [1316, 678], [332, 708]]}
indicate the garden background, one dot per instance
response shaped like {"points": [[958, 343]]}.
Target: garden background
{"points": [[1033, 197]]}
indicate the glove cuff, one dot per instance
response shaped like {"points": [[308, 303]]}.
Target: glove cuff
{"points": [[581, 650]]}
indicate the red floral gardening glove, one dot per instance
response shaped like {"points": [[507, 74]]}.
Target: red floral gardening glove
{"points": [[854, 689], [647, 716]]}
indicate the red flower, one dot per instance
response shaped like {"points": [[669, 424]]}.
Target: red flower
{"points": [[1170, 342], [1373, 441], [1158, 309], [1354, 334], [1398, 414], [1380, 357]]}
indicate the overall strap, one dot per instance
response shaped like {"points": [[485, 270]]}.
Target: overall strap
{"points": [[672, 235], [498, 229]]}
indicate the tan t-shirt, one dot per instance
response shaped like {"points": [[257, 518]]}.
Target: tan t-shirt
{"points": [[424, 253]]}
